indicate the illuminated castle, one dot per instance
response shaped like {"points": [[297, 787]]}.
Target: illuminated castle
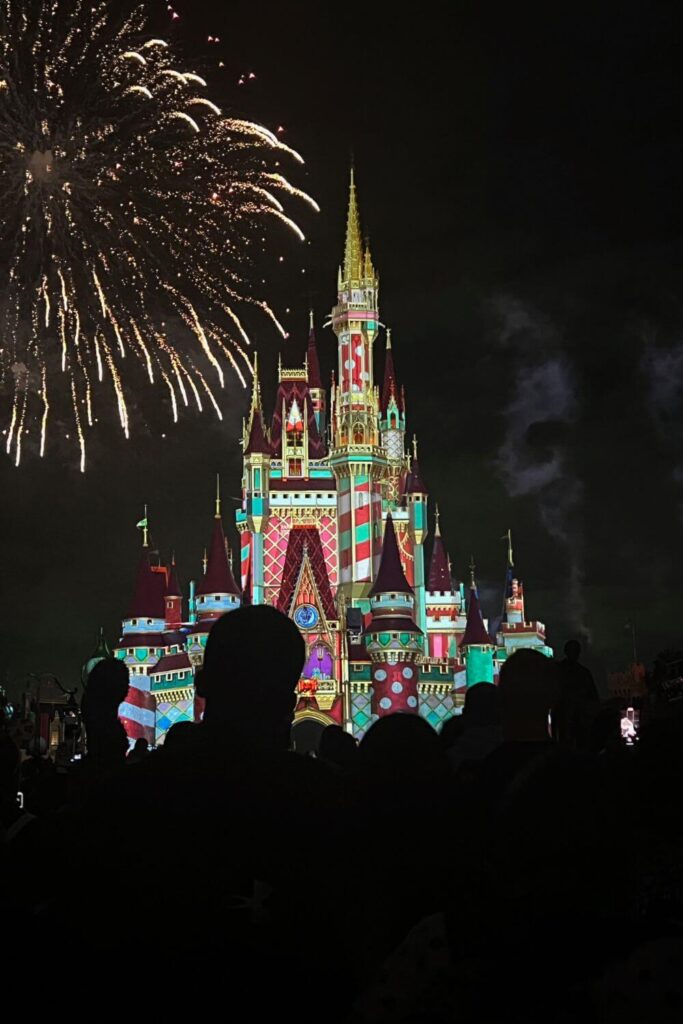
{"points": [[332, 528]]}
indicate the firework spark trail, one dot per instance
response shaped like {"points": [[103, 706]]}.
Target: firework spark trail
{"points": [[127, 199]]}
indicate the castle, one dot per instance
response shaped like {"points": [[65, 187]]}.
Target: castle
{"points": [[332, 525]]}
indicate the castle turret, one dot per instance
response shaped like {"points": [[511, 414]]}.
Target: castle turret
{"points": [[416, 501], [357, 459], [514, 631], [392, 639], [147, 610], [442, 600], [393, 427], [256, 492], [476, 643], [217, 592], [315, 387], [173, 598]]}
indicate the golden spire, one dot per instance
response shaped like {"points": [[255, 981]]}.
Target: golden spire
{"points": [[388, 338], [310, 319], [509, 540], [255, 390], [437, 527], [205, 561], [353, 254], [218, 496], [473, 585], [414, 446], [368, 269], [145, 535]]}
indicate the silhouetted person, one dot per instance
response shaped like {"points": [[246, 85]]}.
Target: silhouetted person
{"points": [[480, 729], [338, 748], [527, 691], [179, 737], [400, 747], [139, 752], [252, 663], [578, 703], [242, 829], [105, 690], [451, 731], [402, 792]]}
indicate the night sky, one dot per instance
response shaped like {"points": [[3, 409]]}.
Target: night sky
{"points": [[519, 180]]}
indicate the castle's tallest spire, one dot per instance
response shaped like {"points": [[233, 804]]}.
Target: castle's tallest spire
{"points": [[353, 252]]}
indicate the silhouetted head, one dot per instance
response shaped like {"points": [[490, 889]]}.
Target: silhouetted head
{"points": [[139, 750], [400, 747], [482, 705], [338, 747], [252, 664], [180, 736], [106, 688], [451, 731], [527, 692], [572, 650]]}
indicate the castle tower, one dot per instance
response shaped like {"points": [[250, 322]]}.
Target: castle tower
{"points": [[476, 643], [393, 428], [442, 600], [357, 459], [416, 502], [141, 646], [315, 387], [255, 494], [217, 592], [515, 631], [173, 598], [393, 641]]}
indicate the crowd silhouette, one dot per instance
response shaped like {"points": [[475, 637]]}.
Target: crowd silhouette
{"points": [[523, 864]]}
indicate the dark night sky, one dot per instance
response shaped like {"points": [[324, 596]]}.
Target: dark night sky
{"points": [[519, 179]]}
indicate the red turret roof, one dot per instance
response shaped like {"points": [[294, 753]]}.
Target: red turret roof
{"points": [[257, 442], [218, 578], [414, 482], [390, 387], [314, 379], [173, 587], [475, 631], [391, 577], [171, 663], [148, 598], [439, 569]]}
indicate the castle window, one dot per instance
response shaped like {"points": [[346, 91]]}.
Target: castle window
{"points": [[131, 650], [216, 597], [294, 467], [358, 434], [149, 622], [134, 622]]}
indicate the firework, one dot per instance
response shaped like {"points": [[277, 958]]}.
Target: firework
{"points": [[128, 203]]}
